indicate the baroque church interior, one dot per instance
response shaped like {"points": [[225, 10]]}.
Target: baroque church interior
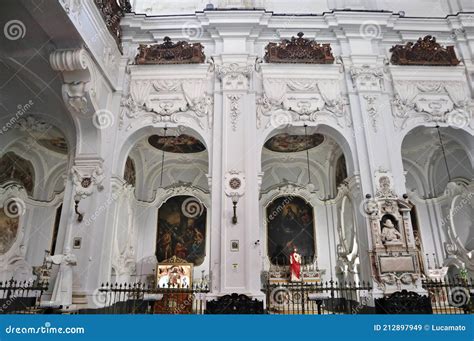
{"points": [[211, 148]]}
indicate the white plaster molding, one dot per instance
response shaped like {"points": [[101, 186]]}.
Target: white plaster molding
{"points": [[87, 174], [371, 107], [234, 182], [431, 94], [163, 194], [367, 78], [234, 76], [234, 109], [310, 94], [80, 79], [158, 95], [289, 190]]}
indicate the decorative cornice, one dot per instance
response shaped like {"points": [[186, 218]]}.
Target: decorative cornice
{"points": [[170, 53], [426, 51], [299, 50]]}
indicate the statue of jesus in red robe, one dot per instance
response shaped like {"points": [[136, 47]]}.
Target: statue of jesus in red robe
{"points": [[295, 266]]}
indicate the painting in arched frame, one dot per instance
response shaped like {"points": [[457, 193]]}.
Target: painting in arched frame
{"points": [[182, 230], [290, 224]]}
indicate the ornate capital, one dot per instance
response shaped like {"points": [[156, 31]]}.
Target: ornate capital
{"points": [[234, 76], [367, 78], [87, 174]]}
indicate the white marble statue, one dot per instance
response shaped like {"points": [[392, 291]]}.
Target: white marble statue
{"points": [[62, 292], [389, 233]]}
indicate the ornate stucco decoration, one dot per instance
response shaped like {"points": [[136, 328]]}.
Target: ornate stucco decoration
{"points": [[367, 78], [431, 101], [384, 183], [289, 189], [170, 53], [79, 74], [234, 109], [426, 51], [372, 111], [87, 175], [234, 76], [298, 50], [303, 99], [398, 280], [234, 182], [168, 100], [163, 194]]}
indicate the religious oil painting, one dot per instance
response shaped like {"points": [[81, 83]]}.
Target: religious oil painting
{"points": [[177, 144], [14, 167], [286, 143], [182, 230], [174, 275], [290, 224], [8, 231], [56, 144]]}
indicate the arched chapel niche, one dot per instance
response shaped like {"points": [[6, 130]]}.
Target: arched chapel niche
{"points": [[303, 170], [33, 168], [171, 199], [438, 163]]}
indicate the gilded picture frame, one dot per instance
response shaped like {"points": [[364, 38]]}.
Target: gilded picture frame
{"points": [[174, 273]]}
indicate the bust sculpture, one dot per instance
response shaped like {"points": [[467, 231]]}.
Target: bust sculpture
{"points": [[389, 232]]}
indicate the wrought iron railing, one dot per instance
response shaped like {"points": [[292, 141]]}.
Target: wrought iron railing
{"points": [[139, 298], [451, 296], [317, 298], [112, 12], [21, 297]]}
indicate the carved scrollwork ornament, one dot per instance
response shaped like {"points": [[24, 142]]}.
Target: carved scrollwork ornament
{"points": [[85, 179], [426, 51], [298, 50], [170, 53], [234, 76]]}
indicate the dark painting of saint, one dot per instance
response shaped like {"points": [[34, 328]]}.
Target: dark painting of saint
{"points": [[182, 230], [290, 224]]}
